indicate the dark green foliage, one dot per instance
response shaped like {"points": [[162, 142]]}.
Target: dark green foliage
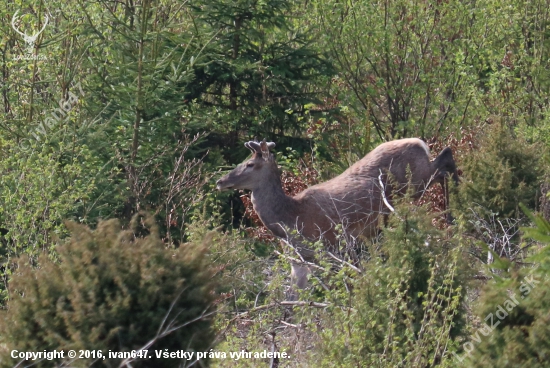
{"points": [[504, 171], [541, 234], [406, 307], [111, 290], [521, 333], [258, 68], [140, 59], [522, 337]]}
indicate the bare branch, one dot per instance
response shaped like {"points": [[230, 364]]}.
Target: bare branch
{"points": [[383, 192]]}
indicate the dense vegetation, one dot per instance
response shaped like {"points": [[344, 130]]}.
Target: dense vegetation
{"points": [[111, 290], [117, 119]]}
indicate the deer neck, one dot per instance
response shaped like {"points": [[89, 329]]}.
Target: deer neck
{"points": [[274, 207]]}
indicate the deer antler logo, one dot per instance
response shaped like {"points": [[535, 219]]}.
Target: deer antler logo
{"points": [[30, 40]]}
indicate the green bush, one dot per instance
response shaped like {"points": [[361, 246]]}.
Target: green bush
{"points": [[406, 308], [502, 173], [111, 290], [514, 314], [39, 191]]}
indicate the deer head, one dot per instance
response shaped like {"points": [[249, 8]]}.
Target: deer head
{"points": [[30, 40], [252, 172]]}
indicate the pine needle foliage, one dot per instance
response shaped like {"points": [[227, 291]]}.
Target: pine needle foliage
{"points": [[504, 172], [514, 311], [113, 290]]}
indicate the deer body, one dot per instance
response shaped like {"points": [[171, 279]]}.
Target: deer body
{"points": [[354, 199]]}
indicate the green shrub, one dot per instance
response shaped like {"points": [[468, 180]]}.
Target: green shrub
{"points": [[40, 190], [502, 173], [111, 290], [406, 308], [514, 314]]}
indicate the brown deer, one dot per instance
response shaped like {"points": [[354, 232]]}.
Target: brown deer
{"points": [[355, 199]]}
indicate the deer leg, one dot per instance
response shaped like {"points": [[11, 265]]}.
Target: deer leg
{"points": [[298, 277], [444, 184]]}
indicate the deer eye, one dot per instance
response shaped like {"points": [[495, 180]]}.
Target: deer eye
{"points": [[249, 164]]}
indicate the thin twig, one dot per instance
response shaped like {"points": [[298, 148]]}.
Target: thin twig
{"points": [[345, 262], [299, 261]]}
